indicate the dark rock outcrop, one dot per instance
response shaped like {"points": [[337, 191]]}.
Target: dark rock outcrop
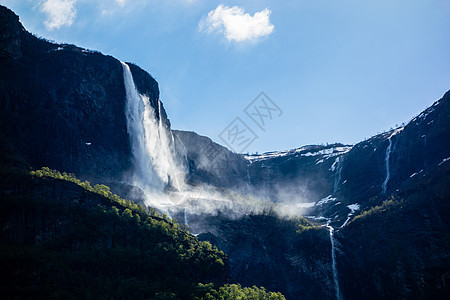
{"points": [[417, 147], [211, 163], [268, 251], [401, 249], [10, 30]]}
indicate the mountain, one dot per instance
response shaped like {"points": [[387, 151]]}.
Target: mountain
{"points": [[391, 231], [61, 238], [401, 246], [324, 180], [364, 221], [63, 106]]}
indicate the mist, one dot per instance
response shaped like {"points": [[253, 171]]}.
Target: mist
{"points": [[161, 172]]}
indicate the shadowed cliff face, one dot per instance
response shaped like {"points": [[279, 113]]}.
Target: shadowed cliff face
{"points": [[268, 251], [211, 163], [10, 30], [63, 106], [401, 248], [418, 147]]}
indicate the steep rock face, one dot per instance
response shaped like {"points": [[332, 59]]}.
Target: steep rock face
{"points": [[376, 168], [366, 173], [211, 163], [402, 246], [268, 251], [63, 106], [306, 174], [10, 30]]}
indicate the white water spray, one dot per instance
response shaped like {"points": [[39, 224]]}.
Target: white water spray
{"points": [[156, 162], [388, 173], [333, 263]]}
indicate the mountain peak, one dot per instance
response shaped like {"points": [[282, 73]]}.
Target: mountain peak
{"points": [[10, 29]]}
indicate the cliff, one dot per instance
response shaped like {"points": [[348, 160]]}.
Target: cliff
{"points": [[63, 106]]}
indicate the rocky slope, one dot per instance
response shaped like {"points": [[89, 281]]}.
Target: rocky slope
{"points": [[401, 246], [275, 253]]}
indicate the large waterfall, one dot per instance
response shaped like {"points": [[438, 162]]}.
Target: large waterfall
{"points": [[333, 263], [157, 165], [388, 173]]}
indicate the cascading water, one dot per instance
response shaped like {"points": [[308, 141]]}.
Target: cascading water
{"points": [[388, 173], [337, 178], [333, 263], [185, 218], [156, 162]]}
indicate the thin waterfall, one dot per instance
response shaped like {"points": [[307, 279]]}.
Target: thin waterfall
{"points": [[156, 162], [386, 160], [333, 263], [185, 218], [337, 178]]}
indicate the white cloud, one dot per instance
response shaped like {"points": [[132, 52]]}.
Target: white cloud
{"points": [[59, 13], [121, 3], [236, 24]]}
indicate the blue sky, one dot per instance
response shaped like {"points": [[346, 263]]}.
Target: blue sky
{"points": [[340, 71]]}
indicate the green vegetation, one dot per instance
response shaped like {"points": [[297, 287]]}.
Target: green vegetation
{"points": [[63, 238], [386, 206], [99, 189], [304, 225], [236, 292]]}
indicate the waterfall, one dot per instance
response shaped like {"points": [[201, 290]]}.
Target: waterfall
{"points": [[333, 263], [185, 218], [156, 162], [337, 178], [388, 173]]}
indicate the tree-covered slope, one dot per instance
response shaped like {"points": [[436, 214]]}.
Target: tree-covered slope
{"points": [[62, 238]]}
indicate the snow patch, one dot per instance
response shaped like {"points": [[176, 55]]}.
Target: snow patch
{"points": [[333, 166], [305, 204], [443, 161], [320, 218], [396, 131], [326, 200], [327, 153], [353, 208]]}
